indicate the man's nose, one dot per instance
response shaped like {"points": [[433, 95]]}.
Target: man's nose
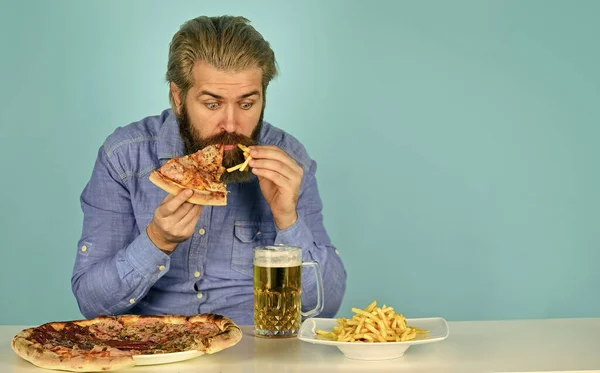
{"points": [[229, 123]]}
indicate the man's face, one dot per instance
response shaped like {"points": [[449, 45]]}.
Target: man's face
{"points": [[223, 107]]}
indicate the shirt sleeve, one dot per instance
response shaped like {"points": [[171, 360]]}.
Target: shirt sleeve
{"points": [[116, 264], [308, 232]]}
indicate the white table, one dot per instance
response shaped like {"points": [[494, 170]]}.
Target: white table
{"points": [[565, 345]]}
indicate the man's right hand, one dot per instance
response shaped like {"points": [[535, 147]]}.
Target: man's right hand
{"points": [[174, 221]]}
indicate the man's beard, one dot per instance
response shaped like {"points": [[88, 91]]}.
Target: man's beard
{"points": [[193, 142]]}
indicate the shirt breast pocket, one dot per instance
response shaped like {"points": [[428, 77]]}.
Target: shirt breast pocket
{"points": [[248, 235]]}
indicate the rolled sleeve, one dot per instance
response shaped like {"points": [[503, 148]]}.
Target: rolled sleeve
{"points": [[298, 234], [145, 257]]}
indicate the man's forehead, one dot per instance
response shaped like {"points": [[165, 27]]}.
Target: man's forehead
{"points": [[207, 77]]}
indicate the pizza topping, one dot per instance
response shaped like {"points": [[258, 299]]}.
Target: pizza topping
{"points": [[107, 329], [205, 329], [71, 335], [60, 350], [115, 351], [130, 345], [44, 333], [144, 336]]}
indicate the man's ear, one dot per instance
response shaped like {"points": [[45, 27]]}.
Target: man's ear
{"points": [[176, 95]]}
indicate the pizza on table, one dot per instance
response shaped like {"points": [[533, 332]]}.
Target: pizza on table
{"points": [[110, 343]]}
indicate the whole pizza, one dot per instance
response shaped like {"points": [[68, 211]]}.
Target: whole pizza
{"points": [[109, 343]]}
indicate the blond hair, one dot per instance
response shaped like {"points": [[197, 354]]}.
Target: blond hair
{"points": [[226, 42]]}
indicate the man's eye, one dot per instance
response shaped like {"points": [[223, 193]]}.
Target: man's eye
{"points": [[212, 105], [245, 105]]}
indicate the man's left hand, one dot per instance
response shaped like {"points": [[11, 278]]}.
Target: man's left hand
{"points": [[279, 177]]}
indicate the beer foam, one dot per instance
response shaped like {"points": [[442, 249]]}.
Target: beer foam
{"points": [[272, 258]]}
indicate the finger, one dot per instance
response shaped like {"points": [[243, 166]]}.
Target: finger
{"points": [[173, 204], [277, 166], [272, 152], [168, 198], [182, 211], [274, 147], [192, 216], [266, 151], [277, 179]]}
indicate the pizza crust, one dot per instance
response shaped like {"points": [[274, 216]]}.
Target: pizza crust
{"points": [[230, 334], [166, 319], [200, 197], [41, 357], [90, 322]]}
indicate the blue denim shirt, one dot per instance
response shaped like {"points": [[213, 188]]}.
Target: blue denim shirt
{"points": [[119, 270]]}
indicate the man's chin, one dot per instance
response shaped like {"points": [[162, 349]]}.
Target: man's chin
{"points": [[237, 177]]}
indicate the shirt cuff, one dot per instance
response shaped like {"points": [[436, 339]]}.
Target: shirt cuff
{"points": [[297, 234], [145, 257]]}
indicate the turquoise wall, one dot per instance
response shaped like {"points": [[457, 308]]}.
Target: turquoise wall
{"points": [[457, 142]]}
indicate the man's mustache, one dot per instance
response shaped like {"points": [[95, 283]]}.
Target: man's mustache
{"points": [[228, 138]]}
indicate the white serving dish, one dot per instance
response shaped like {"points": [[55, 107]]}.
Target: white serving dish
{"points": [[166, 358], [437, 327]]}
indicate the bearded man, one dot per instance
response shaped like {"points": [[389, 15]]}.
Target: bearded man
{"points": [[143, 251]]}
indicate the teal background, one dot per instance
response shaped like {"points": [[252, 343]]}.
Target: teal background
{"points": [[457, 142]]}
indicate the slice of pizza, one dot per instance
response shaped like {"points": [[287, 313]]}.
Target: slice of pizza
{"points": [[200, 172]]}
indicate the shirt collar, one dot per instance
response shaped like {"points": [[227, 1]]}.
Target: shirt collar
{"points": [[169, 144]]}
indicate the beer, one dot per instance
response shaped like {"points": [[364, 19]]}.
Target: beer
{"points": [[278, 291], [277, 300]]}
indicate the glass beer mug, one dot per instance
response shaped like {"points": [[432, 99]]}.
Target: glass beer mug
{"points": [[278, 290]]}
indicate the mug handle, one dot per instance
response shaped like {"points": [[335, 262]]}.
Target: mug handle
{"points": [[319, 308]]}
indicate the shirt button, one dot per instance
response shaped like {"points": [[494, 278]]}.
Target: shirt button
{"points": [[196, 274], [84, 248], [161, 268], [201, 231], [199, 295], [132, 300]]}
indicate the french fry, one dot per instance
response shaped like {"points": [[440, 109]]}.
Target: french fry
{"points": [[371, 325], [245, 163], [361, 312], [360, 325], [372, 329], [383, 319], [231, 169], [242, 166]]}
